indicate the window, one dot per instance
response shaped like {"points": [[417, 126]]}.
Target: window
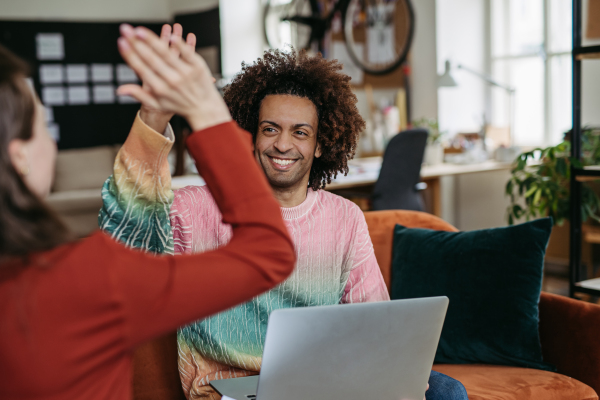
{"points": [[531, 52]]}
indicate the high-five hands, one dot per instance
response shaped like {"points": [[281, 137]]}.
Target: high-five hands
{"points": [[154, 118], [173, 83]]}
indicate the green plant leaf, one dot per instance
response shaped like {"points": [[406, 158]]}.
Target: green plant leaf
{"points": [[544, 184], [509, 187], [531, 191], [536, 198]]}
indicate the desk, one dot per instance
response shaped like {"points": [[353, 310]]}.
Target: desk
{"points": [[365, 171]]}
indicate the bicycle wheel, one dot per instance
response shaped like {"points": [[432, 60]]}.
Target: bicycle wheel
{"points": [[280, 32], [378, 33]]}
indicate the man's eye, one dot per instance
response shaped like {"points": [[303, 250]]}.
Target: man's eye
{"points": [[301, 133]]}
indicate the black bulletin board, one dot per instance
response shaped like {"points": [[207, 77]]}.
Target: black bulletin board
{"points": [[96, 43], [206, 26], [84, 43]]}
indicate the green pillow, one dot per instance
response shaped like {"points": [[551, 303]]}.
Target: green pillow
{"points": [[493, 278]]}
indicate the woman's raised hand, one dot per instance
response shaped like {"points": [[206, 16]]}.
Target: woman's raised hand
{"points": [[173, 83], [158, 119]]}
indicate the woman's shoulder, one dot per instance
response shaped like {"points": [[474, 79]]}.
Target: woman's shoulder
{"points": [[78, 268], [97, 246]]}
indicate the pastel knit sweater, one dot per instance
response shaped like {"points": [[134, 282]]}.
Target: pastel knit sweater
{"points": [[335, 259]]}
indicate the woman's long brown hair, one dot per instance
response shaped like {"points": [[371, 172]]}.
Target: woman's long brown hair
{"points": [[26, 224]]}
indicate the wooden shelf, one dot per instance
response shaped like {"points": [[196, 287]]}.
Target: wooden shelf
{"points": [[590, 286], [587, 53], [586, 174], [591, 234]]}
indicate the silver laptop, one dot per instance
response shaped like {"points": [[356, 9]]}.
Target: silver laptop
{"points": [[380, 351]]}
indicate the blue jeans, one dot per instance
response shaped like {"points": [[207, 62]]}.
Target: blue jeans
{"points": [[442, 387]]}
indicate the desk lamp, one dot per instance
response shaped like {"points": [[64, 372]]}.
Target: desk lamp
{"points": [[446, 80]]}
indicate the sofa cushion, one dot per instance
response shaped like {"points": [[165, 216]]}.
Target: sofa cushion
{"points": [[381, 229], [493, 278], [494, 382], [83, 168]]}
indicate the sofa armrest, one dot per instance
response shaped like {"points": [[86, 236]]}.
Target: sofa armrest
{"points": [[569, 336], [155, 371]]}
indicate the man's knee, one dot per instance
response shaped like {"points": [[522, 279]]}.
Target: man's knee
{"points": [[442, 387]]}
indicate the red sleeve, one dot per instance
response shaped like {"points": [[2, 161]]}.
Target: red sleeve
{"points": [[160, 294]]}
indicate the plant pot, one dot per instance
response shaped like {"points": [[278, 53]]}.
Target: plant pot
{"points": [[434, 154]]}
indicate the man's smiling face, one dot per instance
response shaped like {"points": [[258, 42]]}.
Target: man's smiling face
{"points": [[286, 141]]}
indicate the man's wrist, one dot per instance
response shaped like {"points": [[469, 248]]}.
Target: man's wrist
{"points": [[155, 120]]}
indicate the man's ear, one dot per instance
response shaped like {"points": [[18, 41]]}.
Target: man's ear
{"points": [[18, 155], [318, 151]]}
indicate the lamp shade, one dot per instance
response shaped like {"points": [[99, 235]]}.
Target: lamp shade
{"points": [[446, 80]]}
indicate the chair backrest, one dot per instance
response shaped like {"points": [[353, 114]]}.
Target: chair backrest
{"points": [[381, 229], [400, 172]]}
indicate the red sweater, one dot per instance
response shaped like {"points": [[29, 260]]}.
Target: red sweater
{"points": [[71, 317]]}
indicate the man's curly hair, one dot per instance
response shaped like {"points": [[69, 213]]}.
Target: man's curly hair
{"points": [[316, 79]]}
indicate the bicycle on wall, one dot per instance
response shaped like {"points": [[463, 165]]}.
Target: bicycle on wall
{"points": [[377, 33]]}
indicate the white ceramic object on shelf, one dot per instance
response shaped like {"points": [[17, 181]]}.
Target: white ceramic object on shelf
{"points": [[434, 154], [507, 154]]}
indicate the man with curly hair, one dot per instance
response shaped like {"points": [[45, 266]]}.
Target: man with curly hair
{"points": [[304, 123]]}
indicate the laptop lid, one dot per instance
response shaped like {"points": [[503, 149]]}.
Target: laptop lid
{"points": [[382, 350]]}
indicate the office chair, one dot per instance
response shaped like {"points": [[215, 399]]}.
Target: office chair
{"points": [[398, 185]]}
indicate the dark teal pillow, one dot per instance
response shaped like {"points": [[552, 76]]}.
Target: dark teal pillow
{"points": [[493, 278]]}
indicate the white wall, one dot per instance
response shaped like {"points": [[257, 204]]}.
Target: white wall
{"points": [[424, 95], [85, 10], [102, 10], [191, 6], [242, 37], [590, 92], [480, 202], [473, 201], [461, 39]]}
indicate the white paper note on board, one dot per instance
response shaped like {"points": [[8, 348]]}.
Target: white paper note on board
{"points": [[53, 96], [340, 53], [54, 131], [380, 42], [50, 46], [77, 73], [51, 74], [49, 114], [102, 73], [104, 94], [125, 74], [78, 95]]}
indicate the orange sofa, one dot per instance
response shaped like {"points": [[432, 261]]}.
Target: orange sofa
{"points": [[568, 332]]}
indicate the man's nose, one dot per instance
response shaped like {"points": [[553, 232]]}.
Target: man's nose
{"points": [[284, 142]]}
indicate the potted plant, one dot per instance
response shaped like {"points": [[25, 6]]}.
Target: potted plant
{"points": [[540, 181], [434, 152]]}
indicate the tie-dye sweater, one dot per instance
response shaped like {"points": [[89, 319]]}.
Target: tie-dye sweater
{"points": [[335, 259]]}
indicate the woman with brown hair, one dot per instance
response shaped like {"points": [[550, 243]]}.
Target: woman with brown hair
{"points": [[71, 312]]}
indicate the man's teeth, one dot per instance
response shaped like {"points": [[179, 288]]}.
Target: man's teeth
{"points": [[282, 162]]}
